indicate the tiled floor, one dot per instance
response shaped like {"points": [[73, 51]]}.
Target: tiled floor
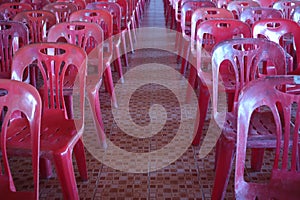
{"points": [[188, 177]]}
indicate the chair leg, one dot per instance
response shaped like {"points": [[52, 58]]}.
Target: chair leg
{"points": [[204, 98], [45, 168], [93, 95], [110, 85], [80, 159], [69, 106], [133, 28], [65, 172], [185, 58], [192, 83], [224, 160], [179, 48], [119, 64], [124, 53], [130, 37], [257, 157]]}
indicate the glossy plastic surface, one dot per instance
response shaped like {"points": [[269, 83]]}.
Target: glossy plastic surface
{"points": [[184, 26], [126, 24], [115, 10], [37, 4], [237, 7], [63, 71], [9, 10], [62, 10], [286, 7], [88, 36], [79, 3], [209, 34], [248, 59], [200, 15], [296, 15], [284, 181], [13, 35], [19, 97], [284, 32], [104, 19], [266, 3], [38, 22], [253, 14]]}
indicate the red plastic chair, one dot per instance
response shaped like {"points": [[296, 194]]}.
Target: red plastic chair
{"points": [[9, 10], [37, 4], [126, 24], [198, 16], [88, 36], [266, 3], [296, 15], [62, 10], [223, 3], [104, 19], [284, 181], [38, 23], [13, 35], [60, 135], [79, 3], [286, 7], [119, 38], [187, 9], [203, 14], [19, 97], [248, 59], [253, 14], [209, 34], [284, 32], [237, 7]]}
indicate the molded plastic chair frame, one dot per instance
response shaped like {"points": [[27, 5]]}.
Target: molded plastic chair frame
{"points": [[212, 28], [284, 182], [14, 35], [88, 36], [20, 97], [60, 136], [245, 67]]}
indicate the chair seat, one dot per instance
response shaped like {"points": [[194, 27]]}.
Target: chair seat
{"points": [[262, 126], [54, 136]]}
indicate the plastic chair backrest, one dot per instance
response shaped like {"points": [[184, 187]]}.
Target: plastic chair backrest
{"points": [[248, 60], [286, 7], [62, 10], [9, 10], [55, 62], [13, 35], [266, 3], [113, 8], [101, 17], [237, 7], [36, 4], [203, 14], [125, 12], [296, 15], [187, 10], [179, 3], [38, 23], [284, 181], [276, 29], [253, 14], [17, 96], [212, 32], [86, 35], [223, 3], [79, 3]]}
